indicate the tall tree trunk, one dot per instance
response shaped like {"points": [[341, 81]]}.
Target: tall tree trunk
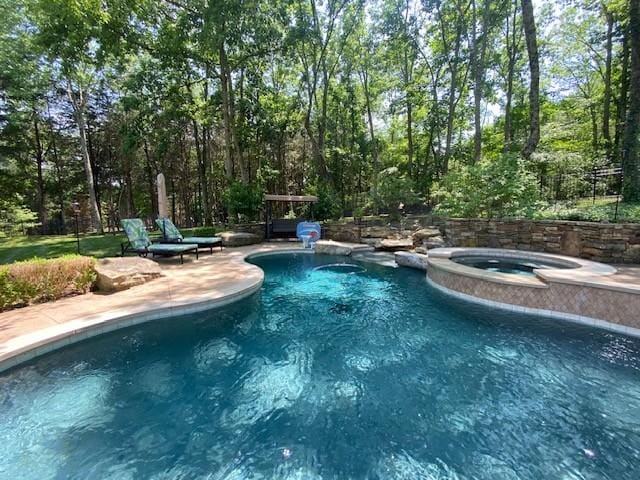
{"points": [[631, 155], [512, 52], [226, 116], [203, 189], [42, 207], [407, 73], [623, 98], [364, 76], [204, 167], [78, 103], [529, 23], [57, 163], [153, 198], [94, 166], [606, 107], [479, 56], [235, 137], [595, 143], [453, 86]]}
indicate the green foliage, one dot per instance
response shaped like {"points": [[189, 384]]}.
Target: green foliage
{"points": [[15, 218], [244, 201], [490, 189], [328, 206], [40, 280], [587, 211], [393, 190]]}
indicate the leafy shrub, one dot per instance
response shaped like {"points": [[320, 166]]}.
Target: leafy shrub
{"points": [[14, 219], [501, 187], [243, 201], [600, 212], [327, 206], [41, 280], [393, 189]]}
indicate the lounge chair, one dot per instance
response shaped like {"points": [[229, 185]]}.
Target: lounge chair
{"points": [[171, 235], [140, 243]]}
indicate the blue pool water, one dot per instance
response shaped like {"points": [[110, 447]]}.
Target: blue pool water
{"points": [[330, 374]]}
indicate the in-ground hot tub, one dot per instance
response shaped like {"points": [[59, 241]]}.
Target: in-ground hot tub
{"points": [[555, 285], [510, 265]]}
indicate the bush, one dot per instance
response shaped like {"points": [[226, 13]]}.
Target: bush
{"points": [[243, 201], [393, 189], [328, 205], [587, 212], [490, 189], [40, 280]]}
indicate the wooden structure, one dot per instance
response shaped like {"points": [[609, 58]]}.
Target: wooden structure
{"points": [[283, 227]]}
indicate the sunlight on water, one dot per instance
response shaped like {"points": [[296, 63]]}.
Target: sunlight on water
{"points": [[404, 467], [330, 375], [270, 387]]}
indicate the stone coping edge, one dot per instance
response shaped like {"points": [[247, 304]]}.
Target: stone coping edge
{"points": [[59, 338], [567, 317]]}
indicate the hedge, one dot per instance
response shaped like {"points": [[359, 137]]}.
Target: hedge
{"points": [[42, 280]]}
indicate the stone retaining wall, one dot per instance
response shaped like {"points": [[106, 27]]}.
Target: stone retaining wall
{"points": [[602, 242], [256, 228], [371, 229]]}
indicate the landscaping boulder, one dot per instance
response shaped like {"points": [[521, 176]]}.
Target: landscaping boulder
{"points": [[424, 234], [239, 239], [433, 242], [394, 244], [329, 247], [411, 260], [121, 273]]}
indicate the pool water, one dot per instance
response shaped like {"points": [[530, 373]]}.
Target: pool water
{"points": [[515, 266], [325, 374]]}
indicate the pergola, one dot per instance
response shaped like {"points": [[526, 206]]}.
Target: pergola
{"points": [[283, 226]]}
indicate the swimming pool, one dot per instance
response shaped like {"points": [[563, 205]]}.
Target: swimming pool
{"points": [[362, 373]]}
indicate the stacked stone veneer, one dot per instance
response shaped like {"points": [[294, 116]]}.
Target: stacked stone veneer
{"points": [[255, 228], [613, 306], [602, 242], [373, 229]]}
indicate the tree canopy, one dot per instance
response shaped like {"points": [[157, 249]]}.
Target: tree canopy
{"points": [[366, 104]]}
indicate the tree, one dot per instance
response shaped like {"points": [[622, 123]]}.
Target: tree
{"points": [[529, 24], [630, 145]]}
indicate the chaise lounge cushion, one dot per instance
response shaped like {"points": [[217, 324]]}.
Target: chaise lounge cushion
{"points": [[171, 234]]}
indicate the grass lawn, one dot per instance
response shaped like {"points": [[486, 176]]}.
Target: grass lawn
{"points": [[24, 247]]}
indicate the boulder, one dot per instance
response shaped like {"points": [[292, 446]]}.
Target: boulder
{"points": [[239, 239], [433, 242], [424, 234], [371, 241], [411, 260], [329, 247], [121, 273], [393, 244]]}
